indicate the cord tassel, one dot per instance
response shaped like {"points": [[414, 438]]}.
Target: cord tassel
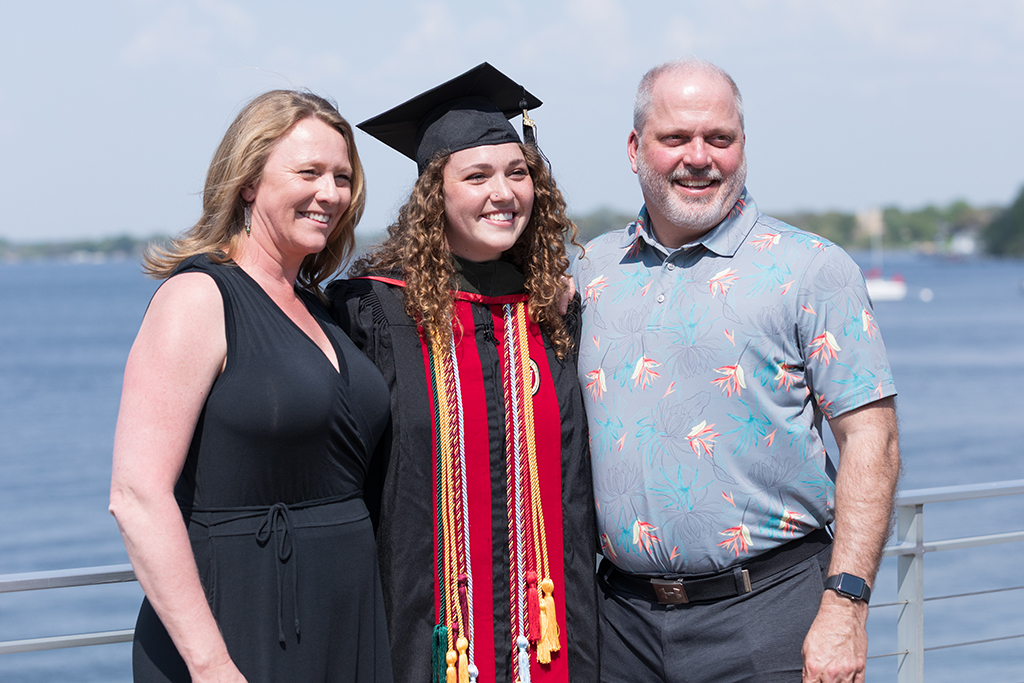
{"points": [[550, 640], [463, 645], [533, 606], [524, 659], [464, 598], [438, 648], [451, 658]]}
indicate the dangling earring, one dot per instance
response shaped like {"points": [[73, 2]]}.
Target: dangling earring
{"points": [[247, 218]]}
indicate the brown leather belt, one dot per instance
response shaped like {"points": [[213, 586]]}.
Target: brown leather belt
{"points": [[677, 589]]}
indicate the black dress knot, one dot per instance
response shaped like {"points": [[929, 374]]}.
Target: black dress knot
{"points": [[277, 527]]}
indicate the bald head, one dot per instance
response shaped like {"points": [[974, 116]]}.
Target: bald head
{"points": [[679, 67]]}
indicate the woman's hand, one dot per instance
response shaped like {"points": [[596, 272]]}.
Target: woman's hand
{"points": [[179, 352]]}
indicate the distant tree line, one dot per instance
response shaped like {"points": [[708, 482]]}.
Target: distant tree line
{"points": [[997, 231], [120, 247], [1004, 236]]}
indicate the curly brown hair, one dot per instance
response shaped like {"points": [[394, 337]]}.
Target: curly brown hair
{"points": [[239, 162], [416, 248]]}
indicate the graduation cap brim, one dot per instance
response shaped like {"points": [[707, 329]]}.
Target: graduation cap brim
{"points": [[468, 111]]}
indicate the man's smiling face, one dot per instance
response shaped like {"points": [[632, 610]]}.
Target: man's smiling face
{"points": [[689, 157]]}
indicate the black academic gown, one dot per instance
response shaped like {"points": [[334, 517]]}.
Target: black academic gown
{"points": [[399, 490]]}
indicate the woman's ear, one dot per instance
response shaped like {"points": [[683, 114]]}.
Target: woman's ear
{"points": [[248, 194]]}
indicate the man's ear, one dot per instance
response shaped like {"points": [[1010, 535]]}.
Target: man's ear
{"points": [[632, 145]]}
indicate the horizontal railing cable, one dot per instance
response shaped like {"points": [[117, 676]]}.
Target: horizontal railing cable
{"points": [[62, 642], [973, 642], [66, 578], [948, 597], [967, 595]]}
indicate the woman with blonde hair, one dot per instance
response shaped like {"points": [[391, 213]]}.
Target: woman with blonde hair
{"points": [[248, 420], [483, 498]]}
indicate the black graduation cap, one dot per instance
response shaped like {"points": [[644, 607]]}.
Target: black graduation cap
{"points": [[468, 111]]}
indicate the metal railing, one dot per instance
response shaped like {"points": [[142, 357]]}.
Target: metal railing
{"points": [[66, 578], [910, 550]]}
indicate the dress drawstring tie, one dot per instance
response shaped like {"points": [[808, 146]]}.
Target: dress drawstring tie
{"points": [[277, 526]]}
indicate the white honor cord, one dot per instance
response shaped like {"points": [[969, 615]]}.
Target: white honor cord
{"points": [[518, 496]]}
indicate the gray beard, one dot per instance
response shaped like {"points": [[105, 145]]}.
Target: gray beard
{"points": [[697, 214]]}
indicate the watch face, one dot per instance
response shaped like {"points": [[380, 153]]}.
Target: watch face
{"points": [[850, 585]]}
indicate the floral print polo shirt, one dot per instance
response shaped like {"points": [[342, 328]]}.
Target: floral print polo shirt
{"points": [[706, 372]]}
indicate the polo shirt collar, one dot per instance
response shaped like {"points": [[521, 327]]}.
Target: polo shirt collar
{"points": [[724, 239]]}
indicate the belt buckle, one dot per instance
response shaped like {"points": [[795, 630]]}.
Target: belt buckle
{"points": [[670, 592]]}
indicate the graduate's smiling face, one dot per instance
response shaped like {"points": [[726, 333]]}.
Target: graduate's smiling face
{"points": [[488, 196]]}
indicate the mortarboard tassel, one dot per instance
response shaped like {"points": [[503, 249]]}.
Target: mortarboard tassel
{"points": [[530, 137], [529, 125]]}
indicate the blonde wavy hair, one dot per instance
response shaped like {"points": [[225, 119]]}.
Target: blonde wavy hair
{"points": [[239, 162], [416, 248]]}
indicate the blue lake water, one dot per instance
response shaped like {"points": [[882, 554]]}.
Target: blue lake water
{"points": [[65, 332]]}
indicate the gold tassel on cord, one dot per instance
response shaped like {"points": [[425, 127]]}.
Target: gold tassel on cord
{"points": [[463, 645], [451, 658], [549, 641]]}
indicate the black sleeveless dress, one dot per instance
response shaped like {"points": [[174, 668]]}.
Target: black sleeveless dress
{"points": [[271, 493]]}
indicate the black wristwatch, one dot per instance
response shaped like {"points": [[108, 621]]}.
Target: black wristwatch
{"points": [[849, 586]]}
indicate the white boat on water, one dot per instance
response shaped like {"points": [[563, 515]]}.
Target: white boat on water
{"points": [[885, 289], [880, 288]]}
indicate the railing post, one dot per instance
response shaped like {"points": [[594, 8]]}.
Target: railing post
{"points": [[910, 579]]}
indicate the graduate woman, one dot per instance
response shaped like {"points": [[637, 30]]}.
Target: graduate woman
{"points": [[485, 506]]}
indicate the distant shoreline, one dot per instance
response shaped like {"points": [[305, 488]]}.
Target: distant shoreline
{"points": [[121, 248], [958, 230]]}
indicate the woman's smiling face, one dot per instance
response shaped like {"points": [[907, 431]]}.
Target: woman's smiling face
{"points": [[488, 195], [305, 188]]}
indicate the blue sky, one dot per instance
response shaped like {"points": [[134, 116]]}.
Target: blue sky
{"points": [[110, 110]]}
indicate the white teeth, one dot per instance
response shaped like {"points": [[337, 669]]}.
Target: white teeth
{"points": [[695, 183], [321, 217], [499, 216]]}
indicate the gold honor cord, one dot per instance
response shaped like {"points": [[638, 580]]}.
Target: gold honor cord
{"points": [[451, 471]]}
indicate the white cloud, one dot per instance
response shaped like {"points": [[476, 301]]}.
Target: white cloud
{"points": [[599, 30], [299, 68], [188, 33]]}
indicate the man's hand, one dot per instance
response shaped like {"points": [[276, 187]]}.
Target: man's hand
{"points": [[836, 647], [566, 292]]}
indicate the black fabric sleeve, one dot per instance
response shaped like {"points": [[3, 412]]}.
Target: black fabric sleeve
{"points": [[352, 307], [579, 522]]}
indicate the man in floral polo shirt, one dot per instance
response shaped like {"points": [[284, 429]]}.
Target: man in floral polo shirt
{"points": [[715, 339]]}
